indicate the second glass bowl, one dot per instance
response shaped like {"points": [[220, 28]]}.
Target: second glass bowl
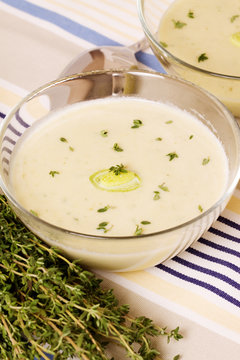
{"points": [[224, 87]]}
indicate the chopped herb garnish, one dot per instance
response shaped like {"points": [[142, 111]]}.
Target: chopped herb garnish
{"points": [[169, 122], [138, 230], [190, 137], [104, 133], [191, 14], [136, 124], [233, 18], [145, 222], [156, 195], [172, 156], [118, 169], [202, 57], [158, 139], [176, 357], [102, 226], [116, 147], [63, 139], [178, 24], [200, 208], [34, 213], [205, 161], [163, 187], [105, 208], [53, 173], [163, 44]]}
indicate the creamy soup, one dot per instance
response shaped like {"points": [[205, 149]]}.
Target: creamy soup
{"points": [[118, 167], [206, 34]]}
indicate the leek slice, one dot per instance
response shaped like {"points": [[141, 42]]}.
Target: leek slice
{"points": [[235, 39], [109, 181]]}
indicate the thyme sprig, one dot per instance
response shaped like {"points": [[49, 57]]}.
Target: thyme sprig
{"points": [[47, 299]]}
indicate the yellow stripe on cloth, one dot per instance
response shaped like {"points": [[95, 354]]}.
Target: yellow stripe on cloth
{"points": [[9, 98], [234, 204], [121, 28], [184, 298]]}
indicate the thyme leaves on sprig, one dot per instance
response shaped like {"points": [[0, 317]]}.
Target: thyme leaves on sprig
{"points": [[49, 299]]}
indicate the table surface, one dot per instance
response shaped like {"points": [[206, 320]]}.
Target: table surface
{"points": [[199, 289]]}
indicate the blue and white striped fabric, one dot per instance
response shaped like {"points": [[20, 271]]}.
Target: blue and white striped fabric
{"points": [[203, 283]]}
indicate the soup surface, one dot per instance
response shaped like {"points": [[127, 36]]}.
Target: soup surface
{"points": [[204, 33], [118, 167]]}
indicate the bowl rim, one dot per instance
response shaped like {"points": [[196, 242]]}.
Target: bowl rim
{"points": [[227, 193], [151, 39]]}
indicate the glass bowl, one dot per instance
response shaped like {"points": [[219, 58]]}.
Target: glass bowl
{"points": [[129, 252], [225, 87]]}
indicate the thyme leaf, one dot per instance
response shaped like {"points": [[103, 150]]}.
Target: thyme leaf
{"points": [[63, 139], [191, 14], [163, 187], [104, 209], [233, 18], [116, 147], [205, 161], [172, 155], [138, 230], [53, 173], [164, 44], [178, 24], [104, 133], [136, 124], [156, 195], [118, 169], [202, 57], [102, 226], [34, 213]]}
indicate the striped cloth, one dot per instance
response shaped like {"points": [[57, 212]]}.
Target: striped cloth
{"points": [[203, 283]]}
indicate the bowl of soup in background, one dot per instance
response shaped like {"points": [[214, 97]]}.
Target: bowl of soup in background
{"points": [[198, 41], [119, 169]]}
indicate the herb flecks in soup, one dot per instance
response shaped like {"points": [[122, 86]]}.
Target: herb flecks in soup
{"points": [[149, 186], [204, 33]]}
